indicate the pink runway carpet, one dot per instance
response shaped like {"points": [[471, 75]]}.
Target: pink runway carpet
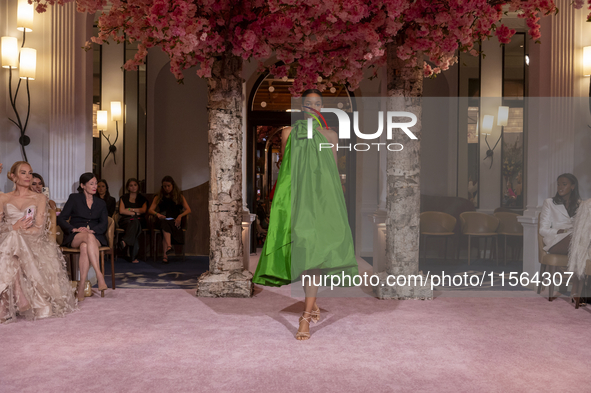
{"points": [[158, 340]]}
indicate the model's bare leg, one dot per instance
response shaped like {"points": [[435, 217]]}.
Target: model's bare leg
{"points": [[310, 291]]}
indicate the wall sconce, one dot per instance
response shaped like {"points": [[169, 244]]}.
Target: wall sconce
{"points": [[9, 52], [487, 126], [587, 68], [24, 16], [27, 64], [115, 116]]}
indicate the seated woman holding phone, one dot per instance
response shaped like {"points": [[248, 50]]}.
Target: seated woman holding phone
{"points": [[38, 185], [170, 206], [33, 278], [86, 229]]}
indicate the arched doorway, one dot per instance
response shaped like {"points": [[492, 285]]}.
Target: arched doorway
{"points": [[268, 111]]}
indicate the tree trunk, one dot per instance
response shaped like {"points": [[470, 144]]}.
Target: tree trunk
{"points": [[226, 276], [405, 89]]}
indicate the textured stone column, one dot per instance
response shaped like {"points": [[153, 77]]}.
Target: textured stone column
{"points": [[379, 216], [405, 89], [70, 115], [226, 276]]}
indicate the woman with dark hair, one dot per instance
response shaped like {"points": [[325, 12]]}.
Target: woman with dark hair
{"points": [[557, 216], [86, 228], [102, 190], [37, 185], [170, 206], [308, 230], [33, 278], [132, 207]]}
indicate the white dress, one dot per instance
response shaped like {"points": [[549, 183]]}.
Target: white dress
{"points": [[33, 278]]}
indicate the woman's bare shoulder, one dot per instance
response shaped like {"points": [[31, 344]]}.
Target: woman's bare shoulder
{"points": [[330, 134]]}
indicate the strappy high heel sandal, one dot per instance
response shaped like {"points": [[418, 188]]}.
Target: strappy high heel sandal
{"points": [[315, 315], [303, 335], [5, 319]]}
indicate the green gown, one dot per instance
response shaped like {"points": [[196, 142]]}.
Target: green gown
{"points": [[308, 226]]}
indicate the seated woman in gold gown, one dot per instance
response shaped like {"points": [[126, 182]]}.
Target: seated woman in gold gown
{"points": [[33, 278]]}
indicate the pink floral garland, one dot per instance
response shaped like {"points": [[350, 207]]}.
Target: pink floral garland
{"points": [[323, 42]]}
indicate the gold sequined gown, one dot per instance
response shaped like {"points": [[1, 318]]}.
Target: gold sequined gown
{"points": [[33, 279]]}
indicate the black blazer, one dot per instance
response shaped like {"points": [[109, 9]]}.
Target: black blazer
{"points": [[77, 211], [111, 205]]}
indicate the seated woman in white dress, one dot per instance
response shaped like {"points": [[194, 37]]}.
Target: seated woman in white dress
{"points": [[557, 216], [33, 278]]}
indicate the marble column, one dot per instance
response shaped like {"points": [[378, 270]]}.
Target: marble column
{"points": [[70, 100], [551, 118]]}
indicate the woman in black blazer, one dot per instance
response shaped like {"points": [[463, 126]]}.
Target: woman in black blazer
{"points": [[86, 229]]}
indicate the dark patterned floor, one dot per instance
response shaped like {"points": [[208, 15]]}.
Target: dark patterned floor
{"points": [[175, 274]]}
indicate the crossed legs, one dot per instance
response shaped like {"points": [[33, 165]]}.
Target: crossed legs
{"points": [[166, 244], [89, 255]]}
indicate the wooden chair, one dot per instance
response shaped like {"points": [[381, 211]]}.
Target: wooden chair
{"points": [[480, 225], [437, 224], [102, 250], [509, 226], [549, 263], [453, 206]]}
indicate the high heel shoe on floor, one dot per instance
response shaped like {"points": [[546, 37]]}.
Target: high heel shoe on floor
{"points": [[87, 289], [103, 289], [303, 335]]}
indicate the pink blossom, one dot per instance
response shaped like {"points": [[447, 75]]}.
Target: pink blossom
{"points": [[336, 39], [504, 34]]}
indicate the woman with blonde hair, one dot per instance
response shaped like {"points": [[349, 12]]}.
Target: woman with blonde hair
{"points": [[33, 278]]}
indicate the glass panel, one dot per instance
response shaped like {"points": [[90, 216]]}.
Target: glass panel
{"points": [[96, 105], [514, 68], [512, 153], [134, 134], [468, 140]]}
